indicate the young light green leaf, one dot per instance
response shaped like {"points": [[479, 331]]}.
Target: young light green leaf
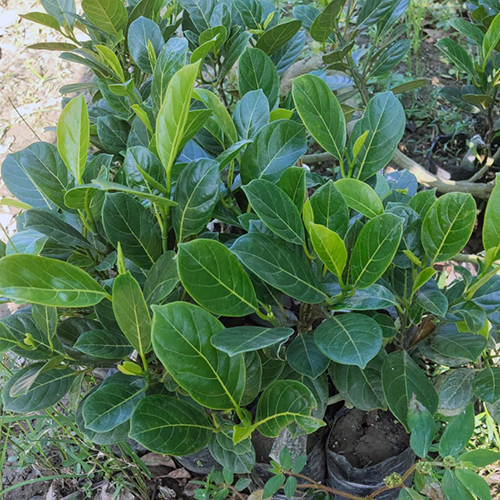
{"points": [[330, 248], [212, 275], [276, 209], [349, 339], [108, 15], [321, 113], [49, 282], [491, 38], [360, 197], [241, 339], [131, 312], [182, 336], [448, 226], [170, 426], [73, 136]]}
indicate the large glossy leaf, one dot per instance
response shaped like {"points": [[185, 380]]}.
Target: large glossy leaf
{"points": [[253, 375], [128, 222], [113, 133], [251, 114], [448, 225], [196, 194], [370, 298], [329, 247], [276, 209], [73, 136], [49, 282], [422, 428], [293, 183], [330, 208], [140, 33], [170, 60], [241, 339], [401, 380], [212, 275], [457, 54], [199, 12], [238, 458], [321, 113], [305, 358], [284, 402], [349, 339], [27, 241], [433, 301], [7, 338], [108, 15], [360, 388], [62, 10], [172, 117], [324, 24], [487, 385], [45, 391], [360, 197], [131, 312], [384, 117], [104, 344], [454, 389], [169, 425], [288, 53], [275, 263], [274, 38], [111, 405], [162, 278], [375, 248], [491, 225], [457, 433], [390, 57], [182, 335], [492, 37], [257, 71], [449, 342], [276, 147]]}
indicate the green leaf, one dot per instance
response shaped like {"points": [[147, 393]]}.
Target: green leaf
{"points": [[7, 339], [196, 194], [360, 197], [453, 488], [140, 33], [487, 384], [61, 10], [293, 183], [324, 24], [390, 57], [272, 40], [360, 388], [384, 117], [73, 136], [480, 457], [349, 339], [47, 389], [273, 485], [182, 335], [454, 389], [46, 319], [56, 46], [370, 298], [474, 483], [172, 117], [108, 15], [251, 114], [273, 262], [277, 146], [213, 276], [104, 344], [113, 133], [238, 458], [330, 248], [448, 226], [131, 312], [330, 208], [290, 486], [276, 209], [374, 249], [170, 426], [457, 433], [491, 225], [321, 113], [111, 405], [468, 29], [162, 278], [284, 402], [128, 222], [433, 301], [491, 38], [457, 54], [253, 375], [241, 339], [422, 428], [257, 71], [49, 282], [170, 60], [401, 380], [449, 342], [27, 241], [304, 356]]}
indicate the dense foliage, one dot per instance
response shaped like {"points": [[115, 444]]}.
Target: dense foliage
{"points": [[228, 284]]}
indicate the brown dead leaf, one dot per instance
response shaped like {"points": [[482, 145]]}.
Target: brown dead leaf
{"points": [[181, 473], [433, 491], [256, 495], [157, 460]]}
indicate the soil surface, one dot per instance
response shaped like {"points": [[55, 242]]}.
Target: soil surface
{"points": [[368, 438]]}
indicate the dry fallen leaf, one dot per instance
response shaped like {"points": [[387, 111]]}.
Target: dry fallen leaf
{"points": [[157, 460], [179, 474]]}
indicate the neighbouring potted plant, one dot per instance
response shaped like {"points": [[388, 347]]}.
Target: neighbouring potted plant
{"points": [[232, 289]]}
